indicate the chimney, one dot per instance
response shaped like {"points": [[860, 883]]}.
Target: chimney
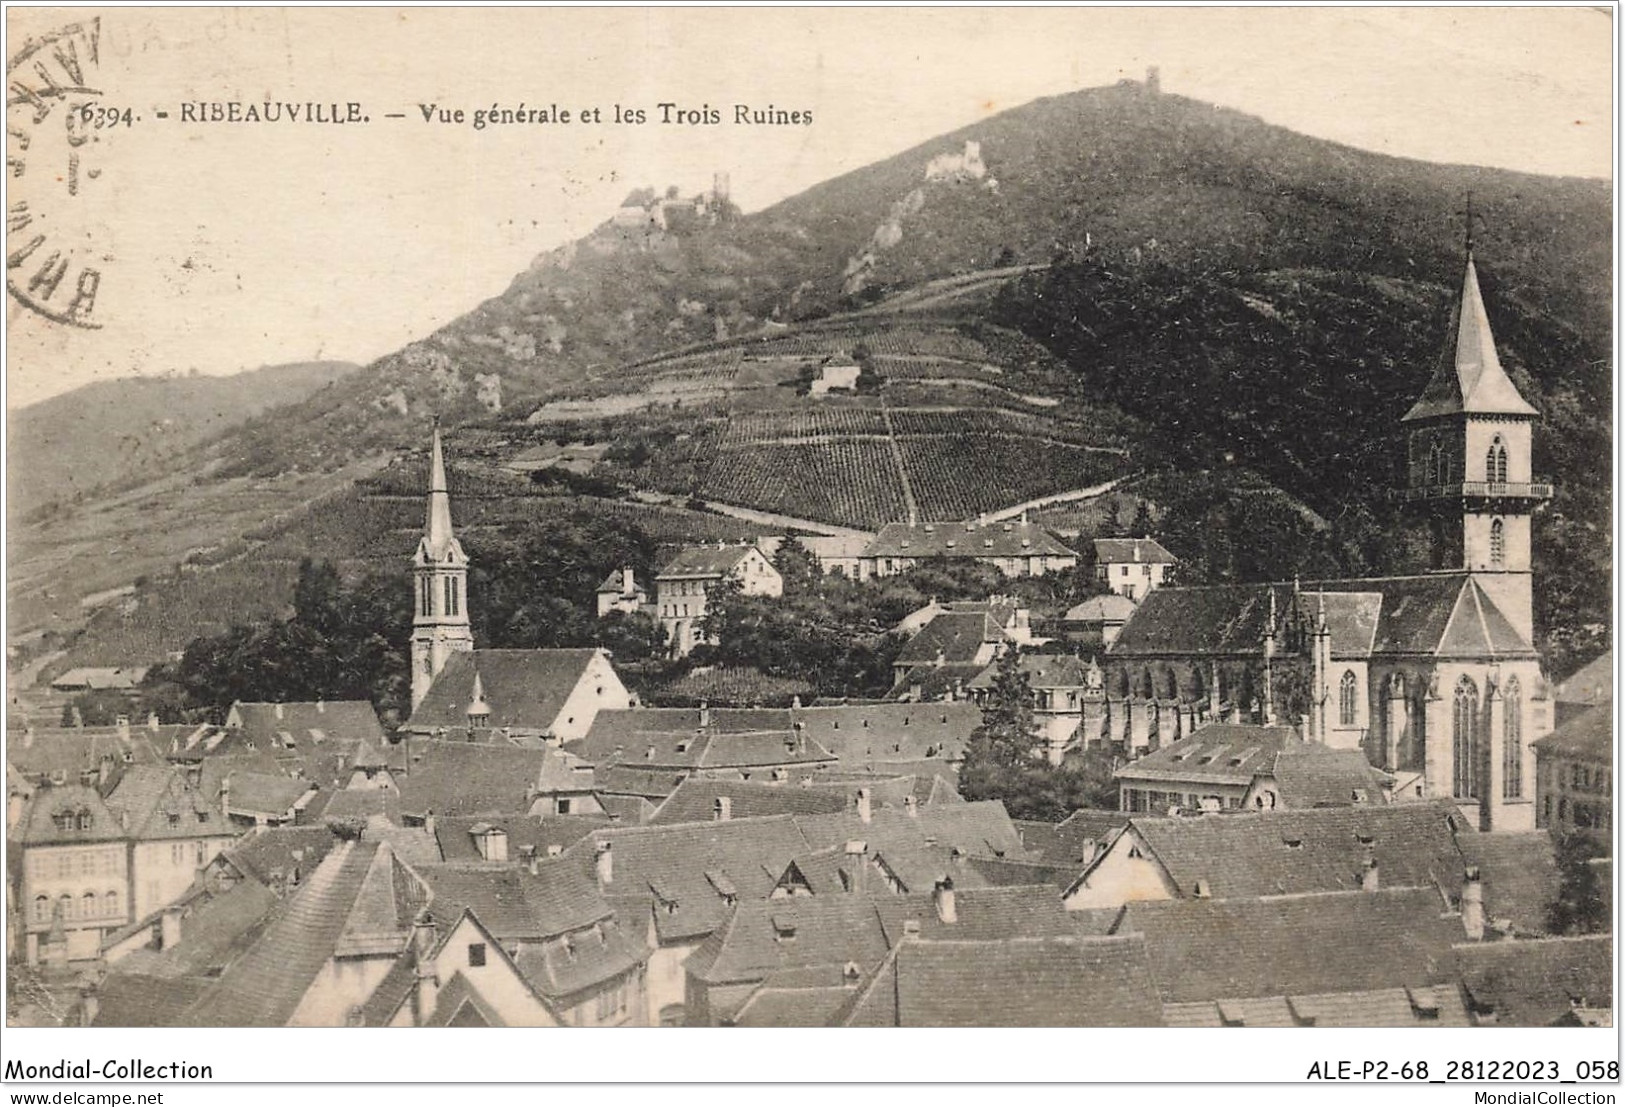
{"points": [[169, 928], [123, 724], [152, 721], [278, 712], [723, 809], [857, 862], [628, 584], [423, 943], [1368, 876], [321, 707], [705, 714], [429, 822], [604, 861], [104, 773], [1472, 905], [911, 806], [944, 898], [225, 797], [865, 808], [528, 853]]}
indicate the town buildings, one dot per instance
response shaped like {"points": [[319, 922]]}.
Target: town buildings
{"points": [[1574, 776], [1132, 567], [1016, 549], [682, 587], [1434, 676]]}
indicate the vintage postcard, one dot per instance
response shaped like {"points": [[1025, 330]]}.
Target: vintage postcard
{"points": [[810, 518]]}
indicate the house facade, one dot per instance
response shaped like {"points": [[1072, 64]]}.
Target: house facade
{"points": [[1574, 776], [1132, 567], [75, 875], [683, 585], [1016, 549]]}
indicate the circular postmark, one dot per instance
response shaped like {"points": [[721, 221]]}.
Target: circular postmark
{"points": [[52, 255]]}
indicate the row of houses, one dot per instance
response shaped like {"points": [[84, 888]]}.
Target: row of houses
{"points": [[915, 915], [1130, 567]]}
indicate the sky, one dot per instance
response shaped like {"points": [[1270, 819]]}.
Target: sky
{"points": [[225, 246]]}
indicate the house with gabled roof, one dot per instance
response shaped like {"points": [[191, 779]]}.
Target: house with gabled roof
{"points": [[947, 654], [1367, 957], [1539, 982], [1132, 567], [1592, 685], [71, 869], [175, 824], [504, 695], [1287, 852], [1239, 767], [318, 720], [1045, 981], [486, 779], [682, 586], [1015, 548], [621, 592], [1574, 775]]}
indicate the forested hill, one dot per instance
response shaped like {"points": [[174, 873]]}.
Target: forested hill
{"points": [[1201, 189], [1255, 307], [68, 445]]}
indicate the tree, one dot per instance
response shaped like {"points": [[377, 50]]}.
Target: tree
{"points": [[99, 707], [1000, 749], [631, 638], [1113, 526], [797, 566], [1142, 525], [1581, 906]]}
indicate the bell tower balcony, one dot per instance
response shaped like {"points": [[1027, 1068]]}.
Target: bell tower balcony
{"points": [[1493, 495]]}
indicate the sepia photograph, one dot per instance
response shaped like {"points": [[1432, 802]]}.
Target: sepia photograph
{"points": [[810, 518]]}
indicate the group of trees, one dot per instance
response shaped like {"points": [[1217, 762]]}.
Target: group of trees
{"points": [[834, 634], [1001, 762], [346, 636]]}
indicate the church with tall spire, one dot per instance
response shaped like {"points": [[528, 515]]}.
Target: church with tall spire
{"points": [[1435, 676], [440, 625], [514, 696]]}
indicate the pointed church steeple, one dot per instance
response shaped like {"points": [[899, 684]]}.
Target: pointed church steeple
{"points": [[437, 533], [440, 625], [1468, 378], [1469, 441]]}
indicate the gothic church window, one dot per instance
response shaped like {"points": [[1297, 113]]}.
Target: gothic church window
{"points": [[1512, 744], [1346, 693], [1498, 543], [1495, 464], [1464, 740]]}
